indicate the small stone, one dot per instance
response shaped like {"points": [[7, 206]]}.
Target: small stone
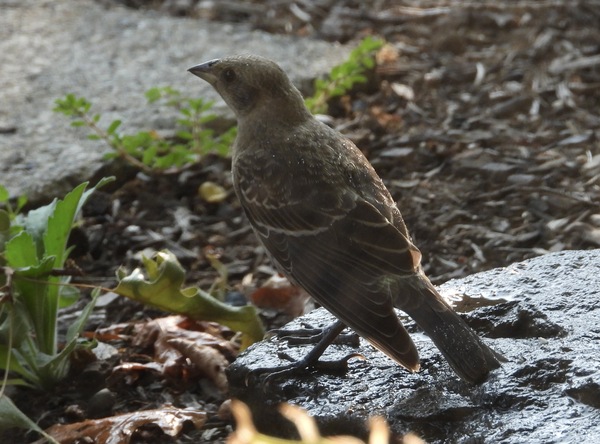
{"points": [[101, 403]]}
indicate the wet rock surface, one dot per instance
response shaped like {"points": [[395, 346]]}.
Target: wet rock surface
{"points": [[541, 314]]}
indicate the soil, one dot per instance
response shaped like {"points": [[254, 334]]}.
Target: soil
{"points": [[482, 119]]}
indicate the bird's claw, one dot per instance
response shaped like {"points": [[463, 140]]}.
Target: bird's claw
{"points": [[301, 367], [312, 335]]}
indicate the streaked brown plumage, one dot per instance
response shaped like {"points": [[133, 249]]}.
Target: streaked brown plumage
{"points": [[328, 221]]}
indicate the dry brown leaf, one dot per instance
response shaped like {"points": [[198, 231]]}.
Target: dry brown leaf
{"points": [[385, 119], [207, 360], [202, 332], [175, 340], [119, 429], [387, 54], [115, 332], [278, 293]]}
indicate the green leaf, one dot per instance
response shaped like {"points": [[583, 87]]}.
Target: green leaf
{"points": [[185, 135], [320, 84], [77, 327], [11, 417], [140, 147], [343, 77], [149, 155], [21, 251], [33, 253], [67, 295], [4, 228], [36, 222], [54, 368], [15, 324], [153, 94], [368, 63], [163, 290], [13, 365], [59, 223], [21, 201], [207, 118], [113, 126], [156, 93], [33, 304], [4, 195]]}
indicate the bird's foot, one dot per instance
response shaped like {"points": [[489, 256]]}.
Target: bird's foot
{"points": [[300, 367], [311, 361], [310, 335]]}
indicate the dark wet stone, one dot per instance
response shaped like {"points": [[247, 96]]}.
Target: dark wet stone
{"points": [[541, 314], [101, 404]]}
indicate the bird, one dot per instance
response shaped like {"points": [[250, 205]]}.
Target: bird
{"points": [[329, 223]]}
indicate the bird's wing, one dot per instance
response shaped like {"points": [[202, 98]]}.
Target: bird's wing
{"points": [[339, 247]]}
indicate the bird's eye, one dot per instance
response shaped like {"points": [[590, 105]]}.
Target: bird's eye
{"points": [[229, 75]]}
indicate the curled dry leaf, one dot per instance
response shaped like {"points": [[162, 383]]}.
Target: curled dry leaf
{"points": [[278, 293], [207, 360], [387, 54], [177, 339], [212, 192], [120, 429], [176, 326]]}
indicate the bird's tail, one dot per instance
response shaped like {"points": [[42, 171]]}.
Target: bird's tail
{"points": [[466, 353]]}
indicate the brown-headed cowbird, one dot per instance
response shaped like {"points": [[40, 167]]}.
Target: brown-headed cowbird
{"points": [[329, 223]]}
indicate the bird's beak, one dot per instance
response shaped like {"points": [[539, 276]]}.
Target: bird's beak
{"points": [[205, 71]]}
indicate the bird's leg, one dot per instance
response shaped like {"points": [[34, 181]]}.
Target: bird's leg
{"points": [[311, 360]]}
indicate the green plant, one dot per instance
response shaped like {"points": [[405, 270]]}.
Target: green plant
{"points": [[8, 208], [147, 150], [195, 114], [150, 152], [33, 287], [344, 76]]}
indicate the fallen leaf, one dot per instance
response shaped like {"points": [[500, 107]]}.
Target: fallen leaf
{"points": [[183, 349], [120, 429], [212, 192], [385, 119], [207, 360], [278, 293], [163, 289], [403, 91], [387, 54]]}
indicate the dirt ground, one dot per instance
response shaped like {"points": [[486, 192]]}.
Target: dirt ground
{"points": [[482, 118]]}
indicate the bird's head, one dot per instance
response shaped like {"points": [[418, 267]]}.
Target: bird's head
{"points": [[250, 82]]}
